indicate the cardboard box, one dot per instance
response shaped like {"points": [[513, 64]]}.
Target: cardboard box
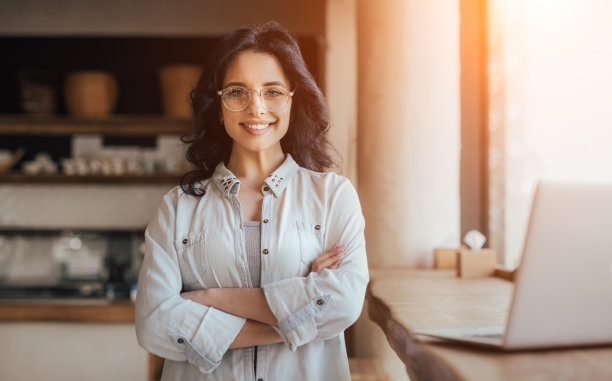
{"points": [[476, 263]]}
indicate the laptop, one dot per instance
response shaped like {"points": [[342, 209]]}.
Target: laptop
{"points": [[563, 287]]}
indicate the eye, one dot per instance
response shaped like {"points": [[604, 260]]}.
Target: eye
{"points": [[273, 92], [236, 92]]}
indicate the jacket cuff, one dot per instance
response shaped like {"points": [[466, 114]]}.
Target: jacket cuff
{"points": [[216, 331], [294, 310]]}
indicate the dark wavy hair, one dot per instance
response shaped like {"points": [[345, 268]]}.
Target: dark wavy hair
{"points": [[306, 139]]}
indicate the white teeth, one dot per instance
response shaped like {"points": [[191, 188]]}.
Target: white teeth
{"points": [[257, 126]]}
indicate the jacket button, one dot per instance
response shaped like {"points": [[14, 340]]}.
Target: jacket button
{"points": [[180, 341], [317, 227], [265, 251], [320, 302], [265, 221], [185, 241], [266, 189]]}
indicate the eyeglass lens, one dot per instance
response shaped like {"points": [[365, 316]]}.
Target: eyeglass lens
{"points": [[237, 98]]}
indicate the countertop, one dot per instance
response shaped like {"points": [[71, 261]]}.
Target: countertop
{"points": [[79, 310]]}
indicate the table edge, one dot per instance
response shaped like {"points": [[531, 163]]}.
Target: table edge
{"points": [[420, 363]]}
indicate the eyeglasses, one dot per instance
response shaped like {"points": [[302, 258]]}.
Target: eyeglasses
{"points": [[237, 98]]}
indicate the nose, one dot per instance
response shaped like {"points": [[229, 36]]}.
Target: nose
{"points": [[255, 106]]}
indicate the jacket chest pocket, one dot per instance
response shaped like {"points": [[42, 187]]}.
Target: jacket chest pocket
{"points": [[191, 251], [311, 241]]}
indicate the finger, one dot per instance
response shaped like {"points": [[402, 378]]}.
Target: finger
{"points": [[323, 263], [338, 247], [332, 252], [339, 254], [336, 253], [335, 265], [335, 257], [331, 261]]}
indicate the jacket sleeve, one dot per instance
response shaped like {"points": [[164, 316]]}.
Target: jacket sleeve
{"points": [[320, 306], [167, 324]]}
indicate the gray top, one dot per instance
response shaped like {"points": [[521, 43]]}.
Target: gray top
{"points": [[252, 241]]}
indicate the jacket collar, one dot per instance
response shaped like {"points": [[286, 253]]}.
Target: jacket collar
{"points": [[227, 183]]}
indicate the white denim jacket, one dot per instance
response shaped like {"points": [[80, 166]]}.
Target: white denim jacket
{"points": [[196, 243]]}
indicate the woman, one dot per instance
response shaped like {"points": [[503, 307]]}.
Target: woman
{"points": [[256, 265]]}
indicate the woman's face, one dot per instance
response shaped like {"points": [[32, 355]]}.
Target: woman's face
{"points": [[256, 129]]}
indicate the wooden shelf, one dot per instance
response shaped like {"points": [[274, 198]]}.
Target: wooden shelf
{"points": [[104, 312], [125, 125], [20, 178]]}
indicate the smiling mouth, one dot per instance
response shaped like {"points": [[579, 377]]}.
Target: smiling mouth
{"points": [[256, 126]]}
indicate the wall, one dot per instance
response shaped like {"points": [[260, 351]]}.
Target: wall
{"points": [[473, 183], [408, 117], [341, 80], [551, 116], [409, 129]]}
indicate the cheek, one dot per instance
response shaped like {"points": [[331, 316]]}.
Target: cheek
{"points": [[230, 120], [225, 115], [284, 124], [286, 117]]}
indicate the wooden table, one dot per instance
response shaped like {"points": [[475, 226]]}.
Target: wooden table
{"points": [[403, 300]]}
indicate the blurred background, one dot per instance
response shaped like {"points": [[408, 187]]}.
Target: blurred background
{"points": [[445, 113]]}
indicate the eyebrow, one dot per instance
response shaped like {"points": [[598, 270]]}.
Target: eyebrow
{"points": [[242, 84]]}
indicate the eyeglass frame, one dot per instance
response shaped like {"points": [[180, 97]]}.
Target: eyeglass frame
{"points": [[258, 91]]}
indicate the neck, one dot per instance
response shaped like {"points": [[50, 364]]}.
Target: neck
{"points": [[254, 166]]}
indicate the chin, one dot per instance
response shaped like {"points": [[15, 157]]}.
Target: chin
{"points": [[255, 148]]}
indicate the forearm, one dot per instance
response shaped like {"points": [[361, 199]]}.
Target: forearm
{"points": [[255, 333], [249, 303]]}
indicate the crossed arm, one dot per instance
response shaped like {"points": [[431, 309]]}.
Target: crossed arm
{"points": [[251, 304]]}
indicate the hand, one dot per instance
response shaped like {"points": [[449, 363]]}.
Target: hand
{"points": [[198, 296], [329, 260]]}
